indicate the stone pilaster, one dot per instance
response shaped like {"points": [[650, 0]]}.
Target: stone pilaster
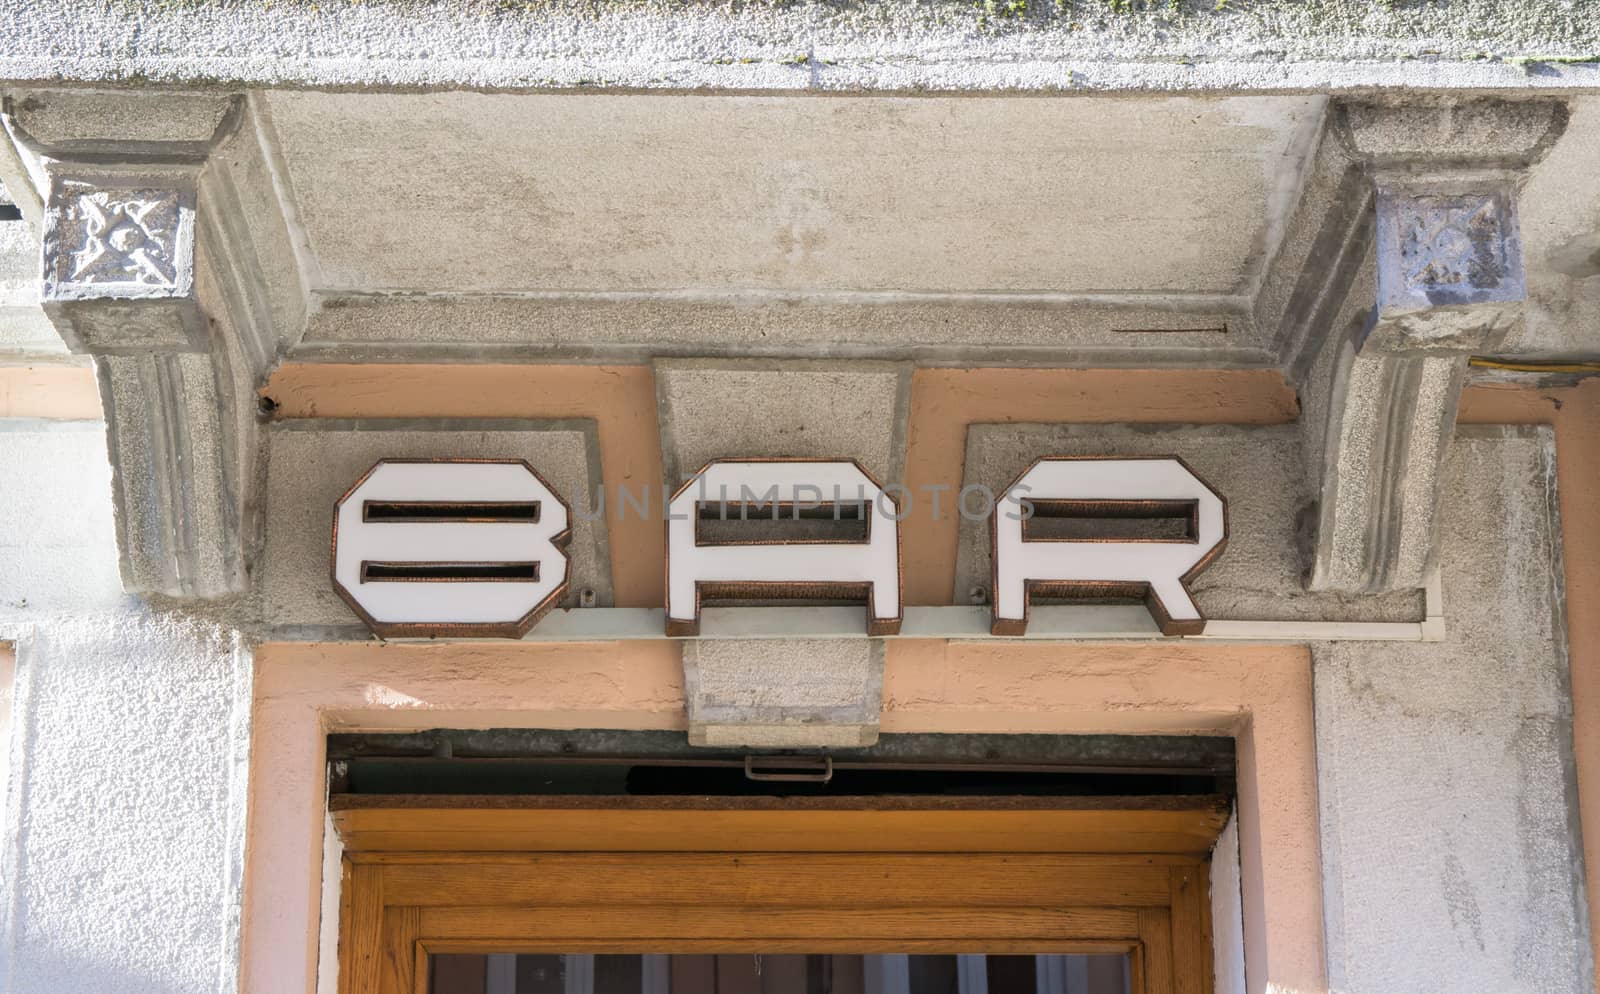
{"points": [[1450, 285]]}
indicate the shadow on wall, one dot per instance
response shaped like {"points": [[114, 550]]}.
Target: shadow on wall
{"points": [[62, 972]]}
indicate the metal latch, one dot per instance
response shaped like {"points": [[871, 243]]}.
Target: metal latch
{"points": [[789, 769]]}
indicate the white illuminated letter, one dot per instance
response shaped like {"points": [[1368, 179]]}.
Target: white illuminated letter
{"points": [[450, 548], [783, 568], [1097, 567]]}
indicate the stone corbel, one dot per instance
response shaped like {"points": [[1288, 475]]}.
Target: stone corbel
{"points": [[1449, 285], [121, 178], [119, 285]]}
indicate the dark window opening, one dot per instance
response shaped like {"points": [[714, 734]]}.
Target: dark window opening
{"points": [[649, 764]]}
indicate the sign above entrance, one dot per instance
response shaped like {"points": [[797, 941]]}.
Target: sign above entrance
{"points": [[476, 548]]}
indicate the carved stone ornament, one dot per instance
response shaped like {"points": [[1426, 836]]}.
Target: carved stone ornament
{"points": [[1449, 270], [1440, 250], [133, 243], [1451, 246], [118, 275], [1450, 285]]}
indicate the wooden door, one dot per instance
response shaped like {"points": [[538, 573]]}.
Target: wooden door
{"points": [[715, 886]]}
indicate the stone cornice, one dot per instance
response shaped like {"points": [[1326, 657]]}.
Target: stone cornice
{"points": [[897, 45], [150, 267]]}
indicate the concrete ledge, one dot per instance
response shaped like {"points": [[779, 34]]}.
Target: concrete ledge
{"points": [[1050, 623]]}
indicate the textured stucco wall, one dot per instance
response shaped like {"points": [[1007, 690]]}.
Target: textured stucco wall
{"points": [[1452, 852], [898, 44], [790, 693], [124, 823]]}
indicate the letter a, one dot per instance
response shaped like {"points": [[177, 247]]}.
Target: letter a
{"points": [[763, 569]]}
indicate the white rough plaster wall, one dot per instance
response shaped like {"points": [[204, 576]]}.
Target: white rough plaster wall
{"points": [[125, 815], [1452, 856], [1227, 911]]}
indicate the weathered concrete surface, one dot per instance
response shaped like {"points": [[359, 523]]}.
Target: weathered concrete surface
{"points": [[1452, 857], [171, 441], [719, 409], [1389, 424], [1155, 229], [172, 303], [311, 463], [1446, 249], [633, 193], [783, 693], [252, 270], [1258, 576], [70, 122], [1445, 134], [948, 44], [1560, 208], [118, 283], [124, 826]]}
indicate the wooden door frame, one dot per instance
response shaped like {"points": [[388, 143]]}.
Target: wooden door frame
{"points": [[546, 875]]}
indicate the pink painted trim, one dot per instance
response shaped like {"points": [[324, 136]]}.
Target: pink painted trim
{"points": [[303, 691], [1261, 694]]}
